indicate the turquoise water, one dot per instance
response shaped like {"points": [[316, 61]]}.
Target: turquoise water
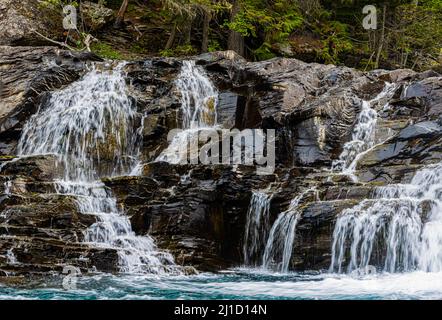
{"points": [[236, 284]]}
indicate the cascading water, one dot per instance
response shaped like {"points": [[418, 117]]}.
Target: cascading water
{"points": [[90, 126], [363, 137], [279, 247], [257, 227], [199, 100], [404, 220], [7, 187]]}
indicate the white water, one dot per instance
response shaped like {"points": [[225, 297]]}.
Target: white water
{"points": [[10, 257], [257, 227], [279, 247], [199, 100], [363, 137], [407, 217], [90, 126], [8, 187]]}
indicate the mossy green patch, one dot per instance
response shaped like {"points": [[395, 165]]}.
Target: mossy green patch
{"points": [[105, 51]]}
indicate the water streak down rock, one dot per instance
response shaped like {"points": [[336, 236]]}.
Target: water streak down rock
{"points": [[89, 125]]}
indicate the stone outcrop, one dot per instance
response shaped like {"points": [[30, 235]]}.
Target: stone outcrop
{"points": [[199, 212], [19, 19], [96, 16]]}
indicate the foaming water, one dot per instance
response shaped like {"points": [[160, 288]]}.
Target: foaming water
{"points": [[90, 126], [199, 100], [240, 284], [403, 223]]}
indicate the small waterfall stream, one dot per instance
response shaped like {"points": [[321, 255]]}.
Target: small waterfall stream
{"points": [[199, 101], [257, 227], [279, 247], [363, 137], [90, 126]]}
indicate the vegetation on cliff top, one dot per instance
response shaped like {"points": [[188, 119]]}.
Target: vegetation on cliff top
{"points": [[408, 33]]}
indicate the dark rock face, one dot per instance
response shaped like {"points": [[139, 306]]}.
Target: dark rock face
{"points": [[41, 231], [199, 218], [199, 212]]}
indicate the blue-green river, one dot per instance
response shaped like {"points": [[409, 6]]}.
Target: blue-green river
{"points": [[235, 284]]}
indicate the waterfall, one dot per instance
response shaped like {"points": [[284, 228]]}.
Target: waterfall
{"points": [[90, 126], [404, 221], [199, 100], [279, 247], [257, 227], [363, 137], [7, 187]]}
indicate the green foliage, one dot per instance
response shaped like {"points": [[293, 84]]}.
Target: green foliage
{"points": [[264, 52], [178, 51], [276, 20], [335, 41], [137, 48], [421, 29], [105, 51], [327, 31], [214, 46]]}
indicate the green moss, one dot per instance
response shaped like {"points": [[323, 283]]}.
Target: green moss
{"points": [[185, 50], [105, 51], [136, 48], [264, 52]]}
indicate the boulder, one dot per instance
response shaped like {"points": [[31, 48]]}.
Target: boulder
{"points": [[19, 19], [95, 16]]}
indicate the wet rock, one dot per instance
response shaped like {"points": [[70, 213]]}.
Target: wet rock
{"points": [[43, 168], [421, 129], [197, 213], [312, 250], [96, 16]]}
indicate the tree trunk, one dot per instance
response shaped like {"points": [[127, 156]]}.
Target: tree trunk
{"points": [[121, 13], [236, 40], [382, 39], [206, 25], [171, 39], [188, 35]]}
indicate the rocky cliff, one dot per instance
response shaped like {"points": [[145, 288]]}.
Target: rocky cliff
{"points": [[199, 212]]}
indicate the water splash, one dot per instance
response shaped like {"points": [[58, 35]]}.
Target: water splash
{"points": [[403, 223], [199, 101], [363, 137], [90, 126], [10, 256], [279, 247], [7, 187], [257, 227]]}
